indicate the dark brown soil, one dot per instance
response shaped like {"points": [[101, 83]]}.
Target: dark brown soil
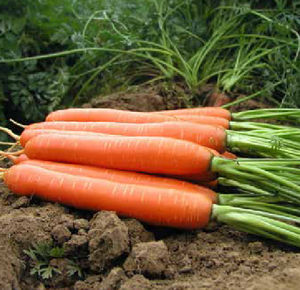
{"points": [[114, 253]]}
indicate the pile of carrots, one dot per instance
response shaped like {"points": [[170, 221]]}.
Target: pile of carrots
{"points": [[162, 167]]}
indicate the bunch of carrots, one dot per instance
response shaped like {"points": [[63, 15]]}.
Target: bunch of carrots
{"points": [[162, 167]]}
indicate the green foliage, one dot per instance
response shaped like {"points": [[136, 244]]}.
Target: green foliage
{"points": [[241, 46], [41, 255]]}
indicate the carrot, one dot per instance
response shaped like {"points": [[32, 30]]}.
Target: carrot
{"points": [[27, 134], [166, 156], [206, 120], [205, 135], [229, 155], [149, 154], [202, 178], [113, 115], [17, 159], [210, 136], [290, 114], [106, 115], [120, 116], [202, 111], [119, 176], [159, 206]]}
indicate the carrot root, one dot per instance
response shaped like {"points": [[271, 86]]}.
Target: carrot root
{"points": [[10, 133], [12, 153], [17, 123]]}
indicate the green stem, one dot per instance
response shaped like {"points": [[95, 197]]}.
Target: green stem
{"points": [[245, 173], [260, 146], [256, 222], [261, 203], [286, 114]]}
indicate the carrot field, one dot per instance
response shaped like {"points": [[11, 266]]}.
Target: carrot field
{"points": [[149, 144]]}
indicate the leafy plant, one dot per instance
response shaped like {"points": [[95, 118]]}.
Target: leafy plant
{"points": [[41, 255], [72, 50]]}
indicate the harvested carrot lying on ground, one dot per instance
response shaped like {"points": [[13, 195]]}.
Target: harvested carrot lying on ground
{"points": [[163, 156], [282, 113], [210, 136], [107, 115], [201, 111], [126, 177], [158, 206], [113, 115]]}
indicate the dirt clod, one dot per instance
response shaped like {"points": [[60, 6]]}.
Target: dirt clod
{"points": [[90, 283], [150, 259], [22, 201], [137, 232], [114, 279], [78, 244], [61, 234], [10, 265], [63, 278], [81, 224], [24, 229], [137, 282], [108, 240]]}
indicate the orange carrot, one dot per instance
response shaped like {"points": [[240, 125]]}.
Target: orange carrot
{"points": [[27, 134], [106, 115], [127, 177], [202, 111], [229, 155], [17, 159], [206, 120], [205, 135], [146, 154], [120, 116], [159, 206]]}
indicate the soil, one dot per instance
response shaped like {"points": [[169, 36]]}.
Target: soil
{"points": [[103, 251]]}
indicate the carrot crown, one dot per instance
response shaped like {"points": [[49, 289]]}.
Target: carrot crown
{"points": [[267, 177], [259, 223], [279, 114]]}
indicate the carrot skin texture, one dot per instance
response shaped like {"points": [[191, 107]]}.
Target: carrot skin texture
{"points": [[206, 135], [121, 116], [106, 115], [145, 154], [229, 155], [205, 120], [20, 158], [122, 177], [158, 206], [27, 134], [202, 111]]}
